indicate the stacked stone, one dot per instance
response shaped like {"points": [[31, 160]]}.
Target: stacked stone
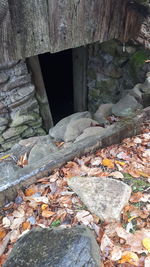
{"points": [[19, 110]]}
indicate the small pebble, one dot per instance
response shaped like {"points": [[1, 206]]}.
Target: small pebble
{"points": [[18, 200]]}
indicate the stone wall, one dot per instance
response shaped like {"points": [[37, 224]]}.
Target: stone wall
{"points": [[19, 110], [113, 69]]}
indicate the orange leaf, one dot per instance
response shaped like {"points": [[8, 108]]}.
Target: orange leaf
{"points": [[29, 192], [129, 257], [47, 213], [26, 225], [2, 233], [108, 163], [142, 173]]}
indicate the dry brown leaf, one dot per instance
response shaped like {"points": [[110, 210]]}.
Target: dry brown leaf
{"points": [[22, 161], [136, 197], [116, 253], [47, 213], [116, 174]]}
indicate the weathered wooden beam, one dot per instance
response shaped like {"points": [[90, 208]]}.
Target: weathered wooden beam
{"points": [[32, 27]]}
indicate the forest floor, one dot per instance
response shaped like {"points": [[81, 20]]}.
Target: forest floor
{"points": [[50, 203]]}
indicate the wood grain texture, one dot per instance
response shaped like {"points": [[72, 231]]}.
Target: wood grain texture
{"points": [[32, 27]]}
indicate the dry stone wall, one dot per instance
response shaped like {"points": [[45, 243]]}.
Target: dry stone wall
{"points": [[19, 110], [113, 69]]}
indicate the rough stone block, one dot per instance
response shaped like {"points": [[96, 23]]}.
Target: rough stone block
{"points": [[74, 247], [105, 197]]}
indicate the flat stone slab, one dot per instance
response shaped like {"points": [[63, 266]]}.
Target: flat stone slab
{"points": [[105, 197], [73, 247], [12, 176]]}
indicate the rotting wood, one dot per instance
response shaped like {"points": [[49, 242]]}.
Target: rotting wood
{"points": [[31, 27], [34, 66]]}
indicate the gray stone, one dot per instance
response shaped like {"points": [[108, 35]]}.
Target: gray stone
{"points": [[16, 81], [8, 65], [76, 127], [91, 131], [103, 112], [1, 140], [105, 197], [3, 77], [23, 119], [10, 142], [74, 247], [58, 131], [28, 133], [3, 121], [2, 129], [136, 92], [126, 106], [39, 151], [11, 132]]}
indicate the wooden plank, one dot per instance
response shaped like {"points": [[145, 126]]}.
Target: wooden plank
{"points": [[37, 78], [80, 78], [24, 31], [31, 27]]}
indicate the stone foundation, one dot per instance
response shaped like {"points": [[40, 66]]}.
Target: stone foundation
{"points": [[19, 110]]}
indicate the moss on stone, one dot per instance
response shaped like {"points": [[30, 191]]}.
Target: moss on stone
{"points": [[109, 47], [137, 61], [137, 184]]}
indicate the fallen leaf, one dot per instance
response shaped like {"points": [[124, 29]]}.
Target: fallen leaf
{"points": [[2, 233], [108, 163], [6, 222], [116, 253], [16, 223], [147, 262], [116, 174], [14, 235], [146, 243], [26, 225], [135, 197], [4, 243], [129, 257], [85, 217], [44, 206], [29, 192], [22, 161], [120, 162], [106, 242], [47, 213]]}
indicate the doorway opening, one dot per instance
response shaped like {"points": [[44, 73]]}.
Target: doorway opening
{"points": [[57, 71]]}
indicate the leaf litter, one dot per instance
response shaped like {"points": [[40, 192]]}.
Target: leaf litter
{"points": [[50, 203]]}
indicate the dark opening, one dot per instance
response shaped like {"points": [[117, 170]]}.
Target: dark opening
{"points": [[57, 70]]}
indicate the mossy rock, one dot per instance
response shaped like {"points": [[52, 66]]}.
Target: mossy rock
{"points": [[109, 47], [137, 62]]}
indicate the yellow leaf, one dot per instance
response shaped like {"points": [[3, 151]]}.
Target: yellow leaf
{"points": [[47, 213], [5, 157], [108, 163], [133, 217], [120, 162], [146, 243], [44, 206], [129, 257]]}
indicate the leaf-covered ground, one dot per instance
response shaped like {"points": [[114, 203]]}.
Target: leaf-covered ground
{"points": [[50, 203]]}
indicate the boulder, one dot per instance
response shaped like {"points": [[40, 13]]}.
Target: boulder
{"points": [[126, 106], [58, 131], [74, 247], [76, 127], [103, 112], [105, 197], [39, 151], [91, 131]]}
